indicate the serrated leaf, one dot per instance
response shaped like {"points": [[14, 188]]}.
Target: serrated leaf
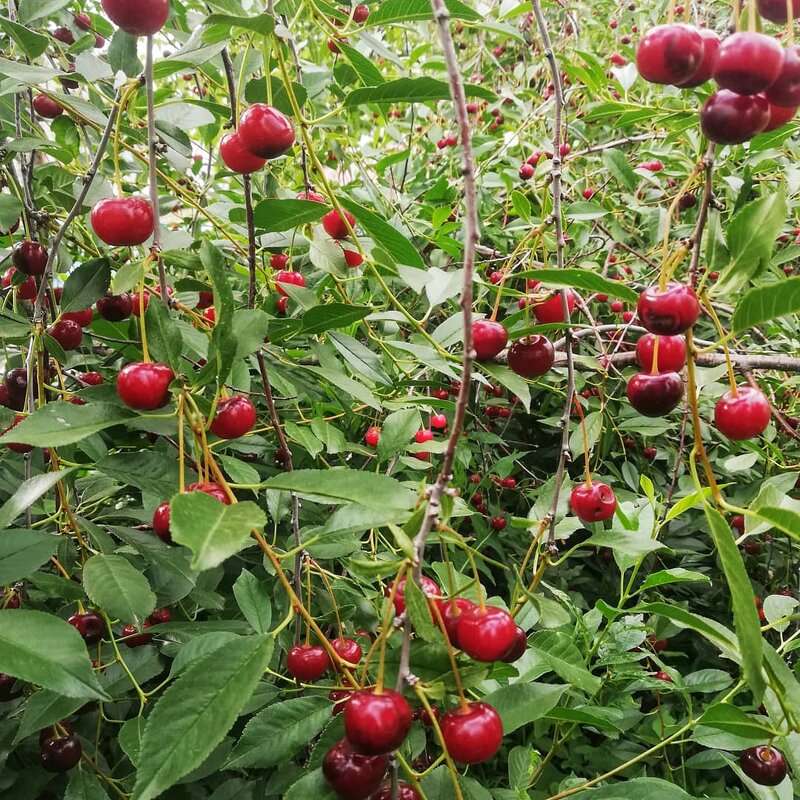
{"points": [[23, 552], [114, 585], [674, 575], [311, 785], [86, 284], [784, 519], [33, 44], [391, 240], [367, 72], [28, 493], [276, 216], [419, 611], [641, 789], [583, 211], [766, 303], [259, 23], [397, 431], [84, 785], [254, 601], [583, 279], [163, 335], [411, 90], [332, 315], [406, 10], [523, 703], [222, 349], [561, 654], [45, 708]]}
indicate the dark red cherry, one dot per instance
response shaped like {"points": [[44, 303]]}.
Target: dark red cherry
{"points": [[655, 395], [144, 386], [235, 417], [212, 489], [517, 650], [237, 157], [351, 775], [334, 224], [668, 312], [63, 35], [744, 415], [705, 71], [472, 735], [531, 356], [671, 355], [30, 258], [83, 317], [161, 523], [486, 634], [429, 587], [785, 92], [451, 616], [348, 650], [730, 118], [552, 309], [778, 117], [593, 503], [137, 17], [68, 333], [91, 626], [265, 131], [160, 616], [669, 54], [377, 723], [46, 107], [775, 10], [17, 447], [10, 689], [123, 221], [132, 638], [115, 307], [405, 791], [748, 62], [763, 764], [488, 338], [61, 754], [307, 662], [339, 698]]}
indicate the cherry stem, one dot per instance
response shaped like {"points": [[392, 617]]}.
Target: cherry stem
{"points": [[328, 586], [308, 597], [721, 331], [664, 276], [142, 326], [585, 437], [654, 366], [386, 623], [181, 446], [451, 655]]}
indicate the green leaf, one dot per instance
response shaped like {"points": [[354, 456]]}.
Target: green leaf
{"points": [[28, 493], [582, 211], [397, 431], [509, 379], [151, 472], [630, 543], [712, 630], [342, 485], [10, 211], [275, 735], [641, 789], [30, 10], [254, 601], [212, 530], [360, 358], [419, 612], [23, 552], [86, 284], [735, 721], [367, 72], [311, 785], [409, 90], [122, 53], [784, 519], [260, 23], [45, 708], [60, 423], [385, 235], [406, 10], [27, 73], [522, 703], [32, 44], [767, 303], [222, 349], [685, 503], [561, 654], [617, 164], [196, 711], [256, 92], [114, 585], [745, 613], [583, 279], [522, 206], [249, 329], [163, 335], [276, 216], [43, 649], [84, 785], [333, 315], [674, 575]]}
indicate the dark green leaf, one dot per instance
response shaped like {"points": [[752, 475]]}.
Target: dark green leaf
{"points": [[583, 279], [254, 601], [84, 785], [419, 612], [367, 72], [260, 23], [163, 335], [32, 44], [411, 90], [23, 552], [10, 210], [397, 431], [767, 303], [406, 10], [28, 493], [383, 234], [86, 284], [114, 585], [122, 53], [45, 708], [311, 785], [561, 654], [276, 216], [332, 315], [523, 703]]}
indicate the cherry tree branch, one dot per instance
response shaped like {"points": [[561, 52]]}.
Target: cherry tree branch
{"points": [[702, 217]]}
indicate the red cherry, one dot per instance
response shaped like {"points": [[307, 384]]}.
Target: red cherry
{"points": [[360, 13], [472, 735], [123, 221], [439, 421], [669, 54], [63, 35], [25, 290], [763, 764], [46, 107], [160, 616], [204, 300], [730, 118], [352, 258], [748, 62], [335, 226], [775, 10], [655, 395], [340, 699], [551, 310], [451, 611], [67, 333], [351, 775], [61, 754], [489, 338], [161, 523], [785, 92], [440, 394], [405, 791], [671, 354], [91, 626], [425, 435], [30, 258], [83, 22], [377, 723], [307, 662], [593, 503], [663, 676], [83, 318], [265, 131], [9, 689], [531, 356], [235, 417], [670, 312], [429, 588], [708, 62], [778, 117], [372, 436], [278, 260], [132, 638], [517, 650], [526, 171], [144, 386], [16, 447], [282, 304], [212, 489], [737, 522], [486, 634], [347, 649], [744, 415], [91, 378], [315, 197], [137, 17], [115, 307], [498, 523], [237, 157], [285, 276], [649, 453]]}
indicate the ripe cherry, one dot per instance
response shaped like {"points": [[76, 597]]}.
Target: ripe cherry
{"points": [[526, 171], [133, 638], [115, 307], [517, 650], [123, 221], [668, 312], [489, 338], [212, 489], [730, 118], [67, 333], [160, 616], [351, 775], [429, 588], [785, 92], [161, 523], [775, 10], [352, 258], [705, 71], [237, 157], [778, 117], [486, 634], [377, 723], [671, 355], [137, 17], [748, 62], [593, 502], [405, 791], [472, 735], [46, 107], [91, 626], [348, 650], [63, 35], [9, 688], [451, 611], [83, 317], [372, 436], [335, 226], [60, 754], [15, 446], [531, 356], [669, 54], [655, 395], [234, 418], [743, 415], [360, 13], [144, 386], [307, 662], [439, 421], [763, 764], [265, 131], [552, 310], [30, 258], [285, 276]]}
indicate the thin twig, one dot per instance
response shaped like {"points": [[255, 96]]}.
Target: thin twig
{"points": [[702, 216]]}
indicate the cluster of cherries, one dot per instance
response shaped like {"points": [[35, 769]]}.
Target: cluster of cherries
{"points": [[759, 81]]}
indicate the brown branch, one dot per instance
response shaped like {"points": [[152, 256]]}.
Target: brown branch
{"points": [[598, 148], [702, 217]]}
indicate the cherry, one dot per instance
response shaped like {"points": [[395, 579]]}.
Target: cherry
{"points": [[353, 776], [123, 221], [204, 300], [16, 382], [237, 157], [486, 634], [68, 333], [83, 22], [785, 92], [775, 10], [334, 224], [517, 650], [25, 290], [743, 415], [429, 588], [663, 676], [161, 523], [278, 260], [737, 521], [778, 116], [748, 62], [348, 650], [668, 312], [671, 354], [472, 735], [730, 118], [551, 310], [377, 723], [405, 791], [137, 17], [212, 489], [285, 276], [115, 307], [649, 453], [160, 616], [30, 258], [307, 662], [265, 131], [144, 386], [439, 421], [655, 395], [498, 523], [593, 502], [340, 699], [63, 35], [531, 356], [132, 638], [488, 338], [62, 754], [9, 689], [83, 317], [315, 197], [46, 107], [235, 417], [425, 435], [140, 302], [526, 171], [669, 54], [372, 436], [705, 71], [763, 764], [352, 258], [91, 626], [16, 447], [451, 611]]}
